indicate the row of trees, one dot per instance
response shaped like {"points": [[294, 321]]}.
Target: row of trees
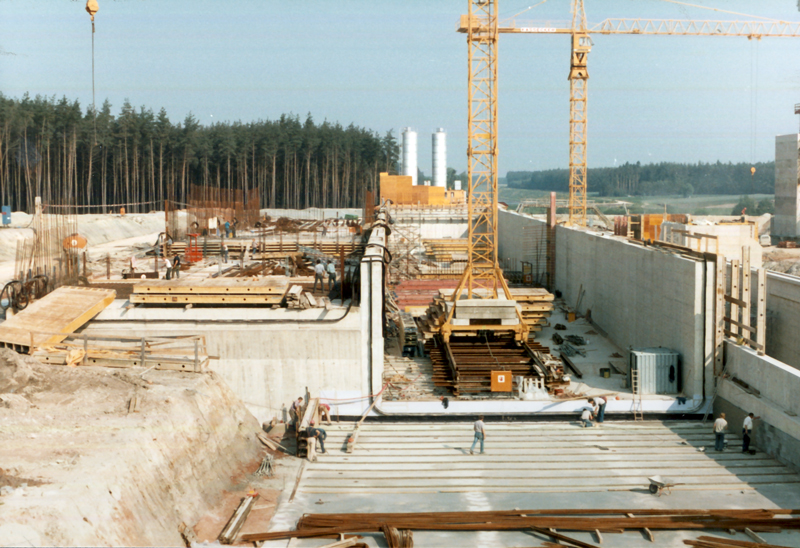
{"points": [[52, 148], [658, 179]]}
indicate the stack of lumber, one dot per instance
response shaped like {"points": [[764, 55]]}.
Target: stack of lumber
{"points": [[409, 379], [408, 329], [50, 319], [296, 298], [552, 523], [269, 250], [536, 305], [268, 290], [446, 250]]}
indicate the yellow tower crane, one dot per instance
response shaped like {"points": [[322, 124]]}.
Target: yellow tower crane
{"points": [[578, 75], [482, 277]]}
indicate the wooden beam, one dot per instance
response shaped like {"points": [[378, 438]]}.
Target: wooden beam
{"points": [[761, 310], [734, 298], [719, 315]]}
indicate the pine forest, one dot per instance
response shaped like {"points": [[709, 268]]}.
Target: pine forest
{"points": [[55, 149]]}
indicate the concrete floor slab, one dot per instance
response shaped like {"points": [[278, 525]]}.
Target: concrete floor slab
{"points": [[421, 467]]}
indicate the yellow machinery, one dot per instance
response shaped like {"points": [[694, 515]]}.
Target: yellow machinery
{"points": [[483, 277], [579, 75]]}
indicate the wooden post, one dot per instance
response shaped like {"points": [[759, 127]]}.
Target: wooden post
{"points": [[761, 311], [142, 353], [719, 316], [85, 349], [746, 286], [735, 294], [108, 267]]}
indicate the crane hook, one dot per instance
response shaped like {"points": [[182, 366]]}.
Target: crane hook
{"points": [[92, 8]]}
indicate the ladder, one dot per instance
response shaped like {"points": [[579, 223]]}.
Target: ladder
{"points": [[636, 389]]}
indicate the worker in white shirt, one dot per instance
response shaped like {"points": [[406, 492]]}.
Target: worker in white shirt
{"points": [[480, 434], [600, 407], [168, 266], [747, 430], [331, 275], [720, 425], [319, 274], [586, 416]]}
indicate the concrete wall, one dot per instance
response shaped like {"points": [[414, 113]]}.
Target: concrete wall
{"points": [[267, 357], [433, 226], [730, 238], [787, 192], [641, 296], [778, 430], [515, 233], [783, 318]]}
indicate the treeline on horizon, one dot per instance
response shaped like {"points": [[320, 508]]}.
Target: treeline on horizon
{"points": [[53, 149], [657, 179]]}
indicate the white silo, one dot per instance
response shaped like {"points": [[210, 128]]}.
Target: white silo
{"points": [[409, 166], [439, 158]]}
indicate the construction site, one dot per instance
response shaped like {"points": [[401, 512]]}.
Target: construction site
{"points": [[430, 369]]}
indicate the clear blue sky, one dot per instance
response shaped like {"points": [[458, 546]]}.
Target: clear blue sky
{"points": [[390, 64]]}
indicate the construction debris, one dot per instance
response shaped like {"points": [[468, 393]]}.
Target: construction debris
{"points": [[231, 530]]}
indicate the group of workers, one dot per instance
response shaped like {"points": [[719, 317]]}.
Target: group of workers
{"points": [[721, 427], [596, 409], [320, 269], [173, 267], [314, 433]]}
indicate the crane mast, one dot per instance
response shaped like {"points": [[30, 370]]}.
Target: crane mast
{"points": [[578, 95]]}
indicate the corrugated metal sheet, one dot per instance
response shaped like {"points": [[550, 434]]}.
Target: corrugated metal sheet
{"points": [[659, 370]]}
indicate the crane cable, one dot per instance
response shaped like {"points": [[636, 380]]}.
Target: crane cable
{"points": [[92, 8]]}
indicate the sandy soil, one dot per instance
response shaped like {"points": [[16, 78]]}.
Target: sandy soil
{"points": [[95, 473], [782, 260]]}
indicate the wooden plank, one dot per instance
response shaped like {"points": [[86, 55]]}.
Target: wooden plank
{"points": [[734, 298], [740, 324], [751, 342], [761, 310], [62, 311], [746, 285], [205, 299], [268, 285], [719, 315], [734, 301]]}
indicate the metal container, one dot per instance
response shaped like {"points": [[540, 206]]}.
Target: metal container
{"points": [[409, 165], [659, 370], [439, 141]]}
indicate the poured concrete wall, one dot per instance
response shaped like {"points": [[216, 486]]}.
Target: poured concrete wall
{"points": [[432, 223], [777, 432], [783, 318], [313, 213], [267, 357], [641, 296], [515, 234], [786, 222]]}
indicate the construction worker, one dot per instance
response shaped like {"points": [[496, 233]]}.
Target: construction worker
{"points": [[720, 425], [319, 273], [319, 434], [325, 413], [176, 266], [168, 266], [224, 251], [294, 410], [586, 416], [480, 434], [747, 430], [600, 407], [331, 275]]}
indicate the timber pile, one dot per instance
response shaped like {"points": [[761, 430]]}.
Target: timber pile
{"points": [[535, 304], [547, 522], [267, 250], [717, 542], [268, 290], [296, 298], [415, 296], [446, 250]]}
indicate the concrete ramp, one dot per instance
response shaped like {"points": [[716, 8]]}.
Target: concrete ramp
{"points": [[61, 312]]}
